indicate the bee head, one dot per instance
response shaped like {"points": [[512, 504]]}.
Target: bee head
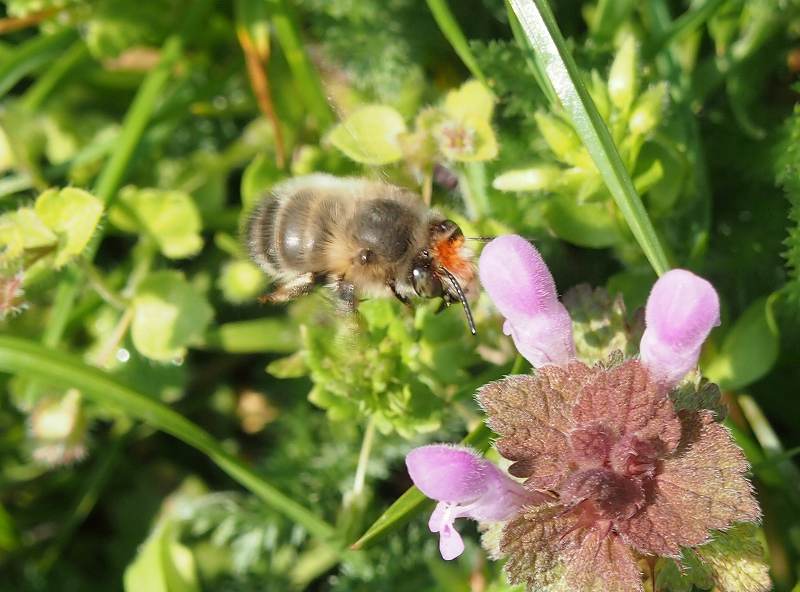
{"points": [[434, 269]]}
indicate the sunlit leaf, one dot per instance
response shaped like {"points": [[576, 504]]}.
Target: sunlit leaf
{"points": [[370, 135], [169, 314], [72, 214]]}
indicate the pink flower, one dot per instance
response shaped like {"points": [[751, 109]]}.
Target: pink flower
{"points": [[627, 475], [466, 486], [519, 283], [681, 310]]}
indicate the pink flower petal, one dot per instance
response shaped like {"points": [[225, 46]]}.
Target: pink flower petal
{"points": [[450, 543], [680, 313], [519, 283], [448, 473]]}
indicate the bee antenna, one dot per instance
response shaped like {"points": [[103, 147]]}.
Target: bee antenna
{"points": [[463, 299], [480, 239]]}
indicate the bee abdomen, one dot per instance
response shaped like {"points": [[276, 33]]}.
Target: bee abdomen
{"points": [[261, 234]]}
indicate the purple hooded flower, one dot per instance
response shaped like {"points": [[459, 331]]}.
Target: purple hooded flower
{"points": [[466, 486], [681, 310], [519, 283]]}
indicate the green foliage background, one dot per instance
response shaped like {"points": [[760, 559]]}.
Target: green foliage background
{"points": [[161, 430]]}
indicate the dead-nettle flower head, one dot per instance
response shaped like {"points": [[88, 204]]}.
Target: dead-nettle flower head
{"points": [[612, 471], [629, 476], [466, 486]]}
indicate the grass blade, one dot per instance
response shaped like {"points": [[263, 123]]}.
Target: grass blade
{"points": [[24, 357], [449, 27], [306, 77], [539, 24], [413, 501], [31, 55]]}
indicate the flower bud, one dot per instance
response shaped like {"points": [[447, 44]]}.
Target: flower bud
{"points": [[519, 283], [681, 310]]}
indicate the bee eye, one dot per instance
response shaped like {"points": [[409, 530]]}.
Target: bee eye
{"points": [[366, 256], [424, 282]]}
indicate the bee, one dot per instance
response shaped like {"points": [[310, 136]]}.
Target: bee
{"points": [[358, 238]]}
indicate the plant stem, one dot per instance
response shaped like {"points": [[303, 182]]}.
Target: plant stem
{"points": [[472, 184], [363, 457], [36, 95], [450, 28]]}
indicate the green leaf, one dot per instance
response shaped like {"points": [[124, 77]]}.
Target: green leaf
{"points": [[162, 565], [168, 315], [72, 214], [413, 501], [261, 335], [24, 357], [370, 135], [749, 349], [587, 225], [170, 217], [540, 26]]}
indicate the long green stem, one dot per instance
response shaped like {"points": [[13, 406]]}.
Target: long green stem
{"points": [[540, 26], [21, 356], [449, 27], [363, 457]]}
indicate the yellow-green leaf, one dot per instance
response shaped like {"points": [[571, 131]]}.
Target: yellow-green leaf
{"points": [[72, 214], [170, 217], [22, 229], [370, 135], [538, 178], [241, 281], [168, 315], [623, 79], [162, 565], [735, 559], [472, 100]]}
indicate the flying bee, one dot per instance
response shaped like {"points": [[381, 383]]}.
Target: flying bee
{"points": [[359, 238]]}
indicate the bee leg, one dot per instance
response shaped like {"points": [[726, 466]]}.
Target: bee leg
{"points": [[345, 296], [398, 295], [446, 302], [298, 286]]}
